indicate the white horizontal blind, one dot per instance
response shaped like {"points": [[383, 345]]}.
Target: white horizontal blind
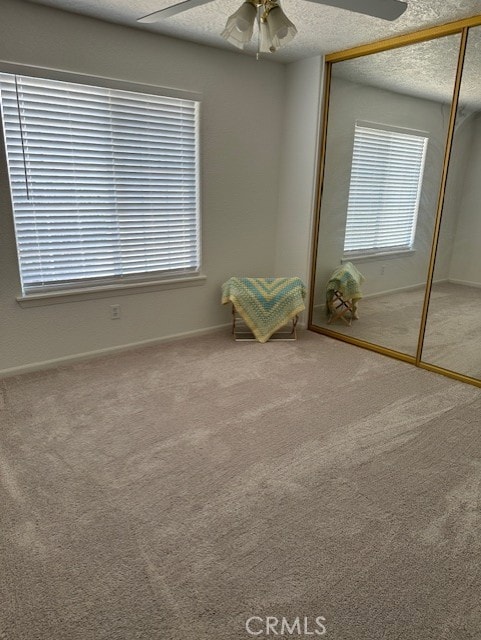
{"points": [[104, 182], [386, 178]]}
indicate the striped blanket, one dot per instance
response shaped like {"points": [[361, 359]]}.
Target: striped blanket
{"points": [[265, 304]]}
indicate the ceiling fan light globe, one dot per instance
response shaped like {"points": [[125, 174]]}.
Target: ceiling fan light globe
{"points": [[233, 37], [240, 25], [281, 29], [245, 17], [265, 42]]}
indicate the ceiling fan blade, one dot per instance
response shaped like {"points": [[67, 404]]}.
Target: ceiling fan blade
{"points": [[171, 11], [385, 9]]}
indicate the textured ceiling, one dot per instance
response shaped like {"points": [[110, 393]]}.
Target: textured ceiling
{"points": [[321, 29], [425, 70]]}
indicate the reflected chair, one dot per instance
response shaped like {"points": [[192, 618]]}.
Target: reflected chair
{"points": [[343, 292]]}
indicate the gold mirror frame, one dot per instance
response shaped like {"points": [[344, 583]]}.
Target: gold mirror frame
{"points": [[459, 27]]}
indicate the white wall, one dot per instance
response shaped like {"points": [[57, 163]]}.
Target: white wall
{"points": [[298, 171], [458, 166], [240, 168], [465, 264], [351, 102]]}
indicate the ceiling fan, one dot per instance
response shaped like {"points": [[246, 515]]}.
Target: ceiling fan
{"points": [[275, 28]]}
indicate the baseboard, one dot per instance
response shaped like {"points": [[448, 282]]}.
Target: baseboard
{"points": [[464, 283], [381, 293], [79, 357], [410, 287]]}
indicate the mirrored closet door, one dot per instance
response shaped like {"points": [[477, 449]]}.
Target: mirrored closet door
{"points": [[453, 330], [387, 125]]}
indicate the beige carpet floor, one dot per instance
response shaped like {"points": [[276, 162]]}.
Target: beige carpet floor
{"points": [[453, 331], [391, 320], [170, 493]]}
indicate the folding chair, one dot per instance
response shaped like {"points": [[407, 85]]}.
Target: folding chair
{"points": [[338, 308], [343, 292]]}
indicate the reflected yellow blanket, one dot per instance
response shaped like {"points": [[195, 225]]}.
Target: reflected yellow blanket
{"points": [[347, 280]]}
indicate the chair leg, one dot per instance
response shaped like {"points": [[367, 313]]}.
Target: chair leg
{"points": [[339, 307]]}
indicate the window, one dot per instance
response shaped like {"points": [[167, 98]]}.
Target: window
{"points": [[386, 179], [104, 183]]}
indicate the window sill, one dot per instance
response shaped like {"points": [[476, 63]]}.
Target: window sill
{"points": [[386, 255], [107, 291]]}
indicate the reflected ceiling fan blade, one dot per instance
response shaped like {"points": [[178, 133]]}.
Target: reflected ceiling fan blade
{"points": [[172, 11], [385, 9]]}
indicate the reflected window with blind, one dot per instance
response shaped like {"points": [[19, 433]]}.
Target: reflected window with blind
{"points": [[384, 191], [104, 183]]}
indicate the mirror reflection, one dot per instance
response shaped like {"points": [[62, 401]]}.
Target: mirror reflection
{"points": [[453, 329], [387, 126]]}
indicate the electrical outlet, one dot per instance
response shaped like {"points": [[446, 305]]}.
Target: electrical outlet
{"points": [[114, 311], [383, 268]]}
